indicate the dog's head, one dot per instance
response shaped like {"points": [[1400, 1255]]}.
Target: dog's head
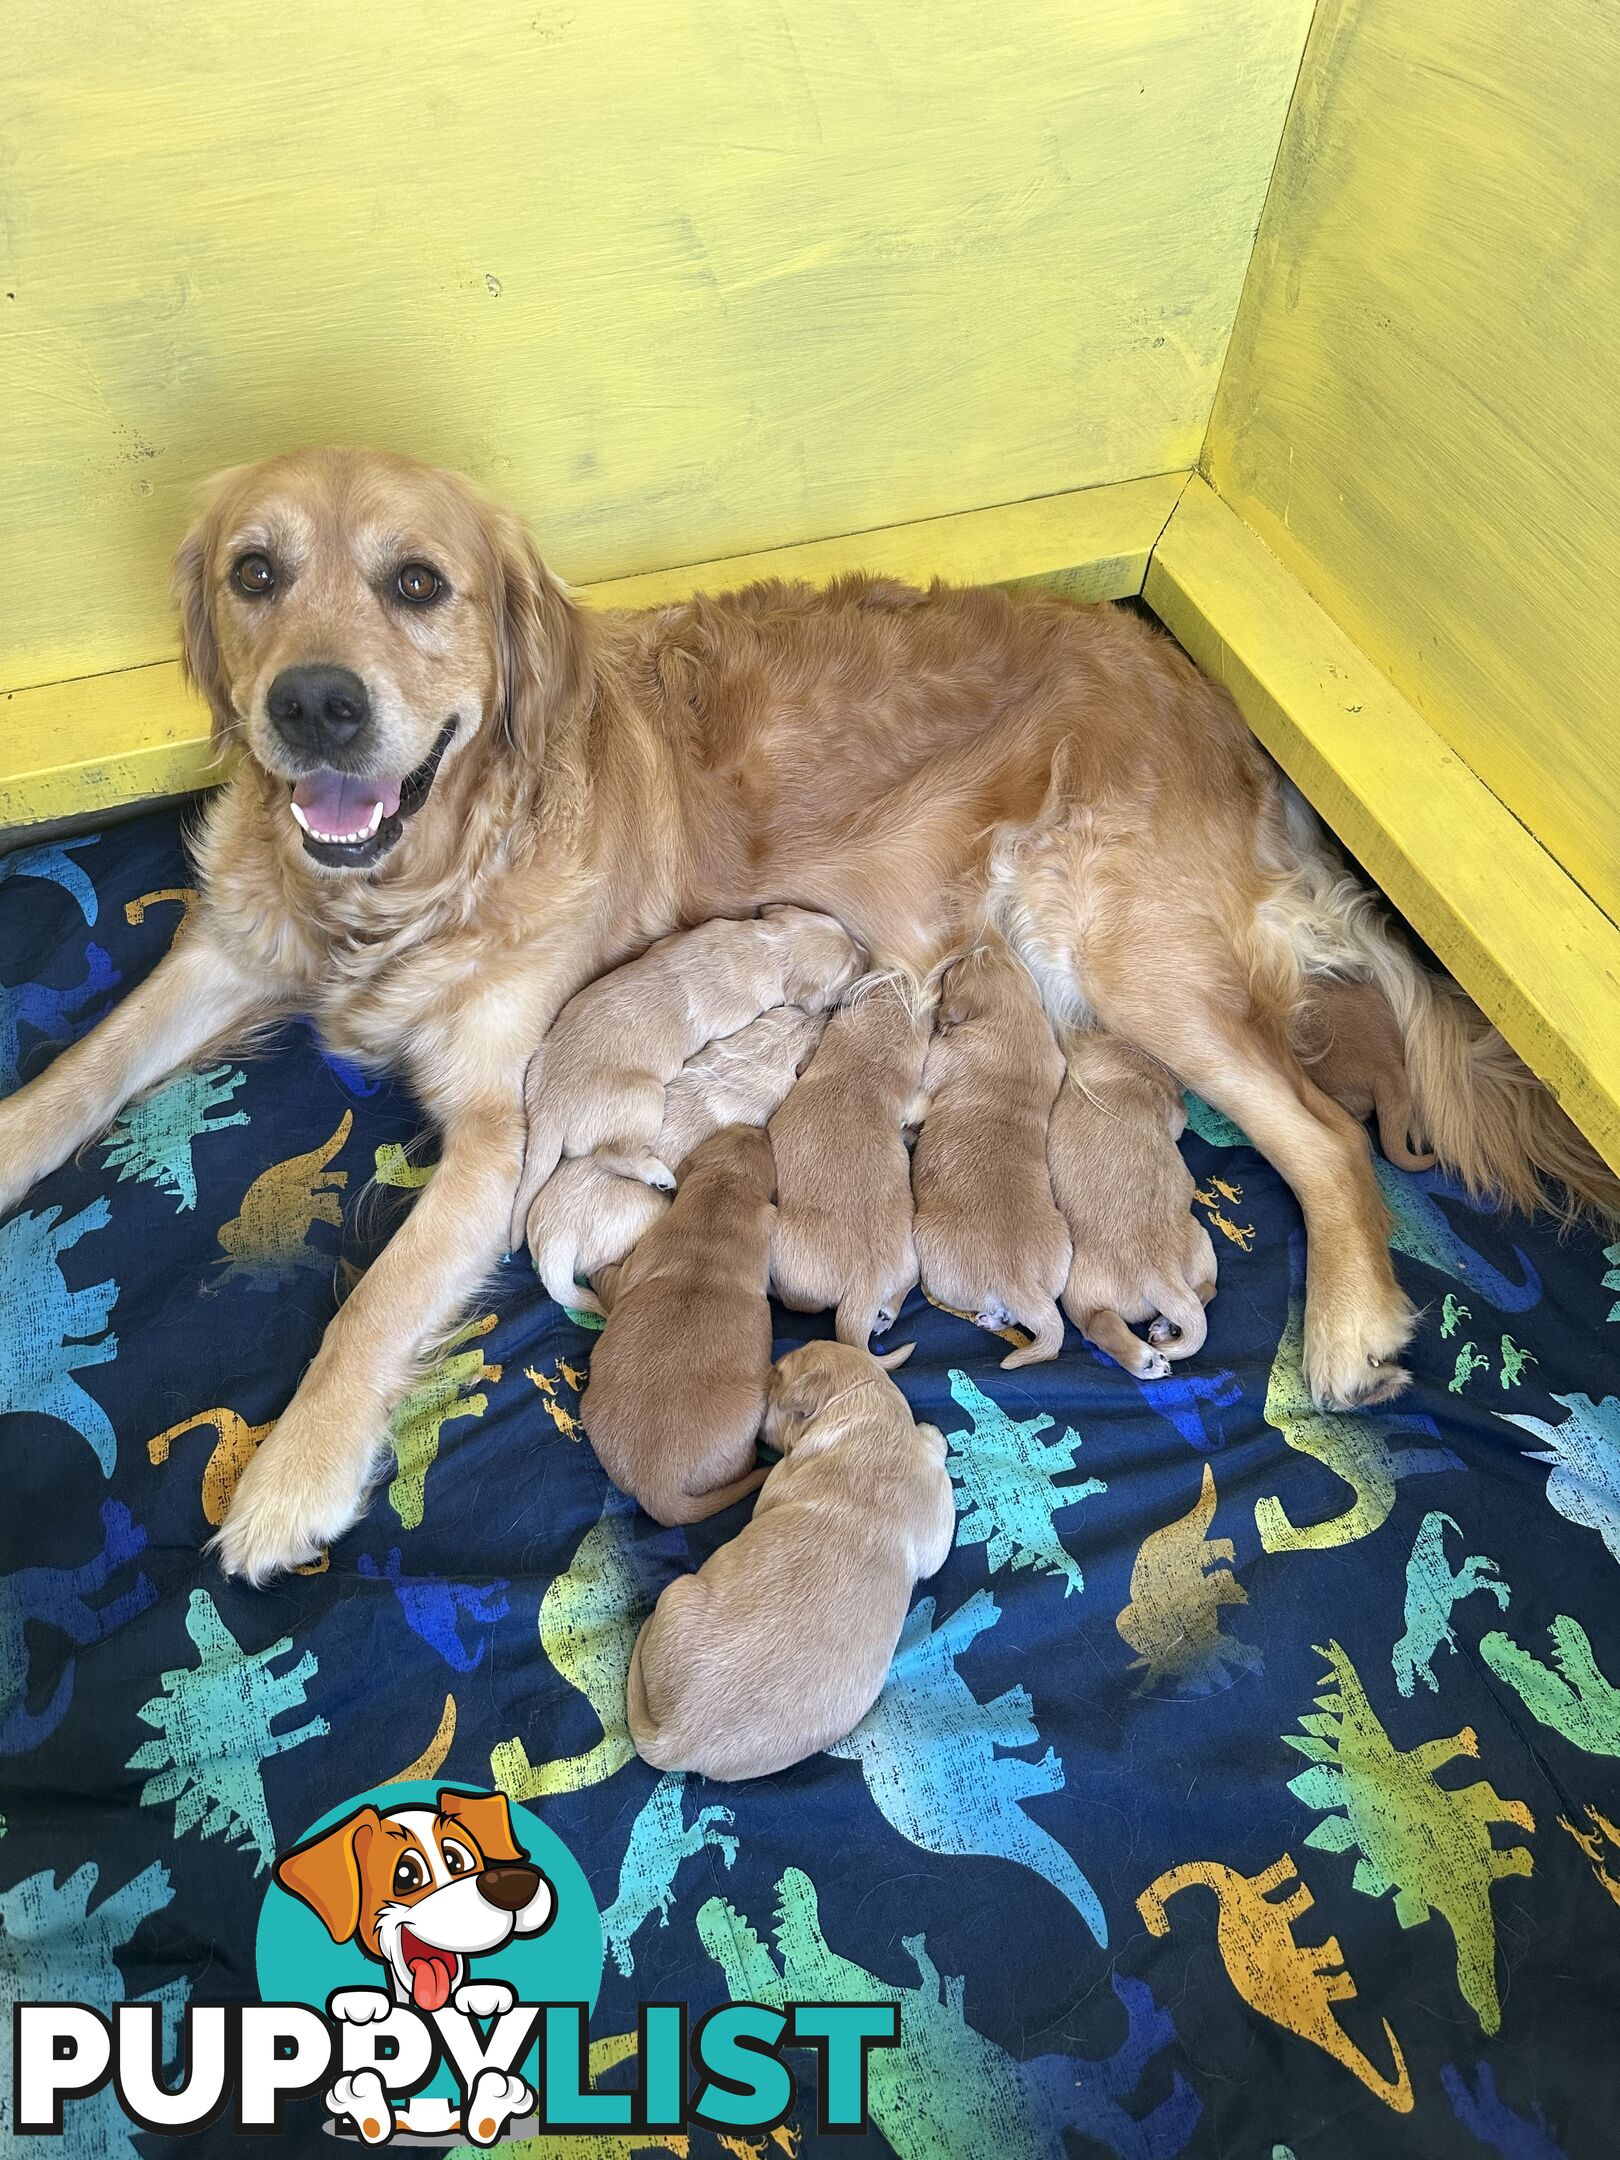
{"points": [[361, 623], [421, 1889], [810, 1379]]}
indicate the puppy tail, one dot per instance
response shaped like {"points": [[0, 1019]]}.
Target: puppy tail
{"points": [[557, 1273], [861, 1315], [671, 1509], [1186, 1315], [542, 1153], [1047, 1329]]}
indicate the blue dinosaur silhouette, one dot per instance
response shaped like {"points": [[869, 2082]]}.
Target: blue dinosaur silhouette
{"points": [[435, 1609], [1007, 1492], [1432, 1592], [48, 1011], [1423, 1232], [1486, 2116], [45, 1325], [1192, 1401], [660, 1839], [1585, 1451], [57, 1598], [60, 1950], [928, 1749], [1610, 1278], [55, 861]]}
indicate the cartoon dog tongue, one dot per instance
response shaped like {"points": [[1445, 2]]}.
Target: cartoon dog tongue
{"points": [[342, 806], [431, 1972]]}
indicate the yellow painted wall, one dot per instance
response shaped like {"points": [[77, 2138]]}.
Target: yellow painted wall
{"points": [[1419, 412], [680, 277]]}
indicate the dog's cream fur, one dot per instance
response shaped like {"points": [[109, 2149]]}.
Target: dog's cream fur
{"points": [[990, 1240], [899, 759], [1139, 1251], [588, 1215], [780, 1643], [676, 1394], [843, 1172]]}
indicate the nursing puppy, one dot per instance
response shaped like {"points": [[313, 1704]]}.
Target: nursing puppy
{"points": [[781, 1642], [587, 1215], [1139, 1251], [677, 1382], [1349, 1041], [597, 1083], [989, 1239], [842, 1236]]}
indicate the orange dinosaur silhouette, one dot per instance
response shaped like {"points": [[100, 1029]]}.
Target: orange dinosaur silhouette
{"points": [[232, 1451], [266, 1241]]}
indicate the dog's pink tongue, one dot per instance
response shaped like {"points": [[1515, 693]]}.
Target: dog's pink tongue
{"points": [[339, 804], [430, 1980]]}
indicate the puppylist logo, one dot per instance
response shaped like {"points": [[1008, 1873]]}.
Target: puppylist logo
{"points": [[428, 1959]]}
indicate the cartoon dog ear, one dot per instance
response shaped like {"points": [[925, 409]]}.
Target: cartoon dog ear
{"points": [[489, 1817], [325, 1873]]}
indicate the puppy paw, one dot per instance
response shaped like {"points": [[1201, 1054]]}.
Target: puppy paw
{"points": [[1163, 1331], [483, 1998], [992, 1317], [359, 2006], [363, 2100], [495, 2098], [303, 1489], [1153, 1367]]}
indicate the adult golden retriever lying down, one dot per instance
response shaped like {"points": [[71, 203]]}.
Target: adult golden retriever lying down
{"points": [[460, 797]]}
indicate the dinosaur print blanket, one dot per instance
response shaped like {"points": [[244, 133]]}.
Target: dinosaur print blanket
{"points": [[1247, 1783]]}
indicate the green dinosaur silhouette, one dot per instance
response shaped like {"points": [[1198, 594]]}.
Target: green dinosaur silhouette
{"points": [[1452, 1313], [436, 1400], [214, 1732], [1007, 1491], [152, 1140], [1431, 1593], [1429, 1844], [1469, 1362], [1576, 1700], [1514, 1360], [660, 1839]]}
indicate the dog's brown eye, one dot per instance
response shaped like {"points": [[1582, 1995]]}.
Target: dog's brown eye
{"points": [[409, 1875], [418, 584], [458, 1860], [255, 575]]}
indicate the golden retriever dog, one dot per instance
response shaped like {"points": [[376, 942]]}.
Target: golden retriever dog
{"points": [[457, 797], [989, 1238], [782, 1640], [842, 1236], [676, 1394], [596, 1084], [1347, 1038], [1140, 1253], [588, 1214]]}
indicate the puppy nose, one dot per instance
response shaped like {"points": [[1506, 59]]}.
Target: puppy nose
{"points": [[508, 1889], [318, 709]]}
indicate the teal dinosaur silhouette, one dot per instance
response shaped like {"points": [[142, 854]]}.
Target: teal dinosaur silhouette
{"points": [[1485, 2115], [55, 861], [660, 1839], [45, 1327], [1611, 1277], [1469, 1362], [213, 1723], [1209, 1124], [1431, 1592], [48, 1011], [1422, 1231], [152, 1141], [1585, 1450], [1452, 1313], [1514, 1360], [1576, 1700], [1007, 1489], [34, 1599], [947, 2091], [928, 1748], [56, 1948]]}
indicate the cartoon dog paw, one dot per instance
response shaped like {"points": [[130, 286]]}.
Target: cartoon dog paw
{"points": [[495, 2098], [359, 2006], [483, 1998], [362, 2097]]}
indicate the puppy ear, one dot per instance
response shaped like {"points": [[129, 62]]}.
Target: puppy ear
{"points": [[489, 1817], [543, 659], [325, 1873], [199, 648]]}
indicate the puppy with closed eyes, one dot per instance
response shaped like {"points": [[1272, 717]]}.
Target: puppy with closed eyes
{"points": [[781, 1642], [588, 1215], [1349, 1041], [1140, 1253], [596, 1084], [842, 1236], [677, 1383], [989, 1238]]}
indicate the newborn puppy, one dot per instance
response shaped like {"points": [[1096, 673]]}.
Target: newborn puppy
{"points": [[989, 1239], [586, 1215], [597, 1082], [781, 1642], [1349, 1041], [677, 1382], [843, 1174], [1139, 1251]]}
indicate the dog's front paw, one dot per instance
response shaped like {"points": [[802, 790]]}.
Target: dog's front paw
{"points": [[306, 1485], [363, 2099], [359, 2006], [495, 2098], [484, 1998]]}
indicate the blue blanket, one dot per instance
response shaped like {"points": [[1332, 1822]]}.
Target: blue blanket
{"points": [[1248, 1781]]}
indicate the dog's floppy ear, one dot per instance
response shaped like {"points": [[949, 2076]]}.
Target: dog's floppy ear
{"points": [[542, 653], [489, 1817], [199, 648], [325, 1873]]}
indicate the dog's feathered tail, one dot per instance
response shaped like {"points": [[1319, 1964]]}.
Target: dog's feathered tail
{"points": [[1045, 1326]]}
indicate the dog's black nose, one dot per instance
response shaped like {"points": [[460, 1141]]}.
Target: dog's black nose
{"points": [[508, 1888], [317, 710]]}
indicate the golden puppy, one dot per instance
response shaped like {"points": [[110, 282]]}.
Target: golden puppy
{"points": [[1139, 1251], [597, 1082], [677, 1384], [843, 1174], [1349, 1041], [780, 1643], [586, 1215], [989, 1239]]}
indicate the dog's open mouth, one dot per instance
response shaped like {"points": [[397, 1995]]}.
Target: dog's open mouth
{"points": [[349, 823], [434, 1972]]}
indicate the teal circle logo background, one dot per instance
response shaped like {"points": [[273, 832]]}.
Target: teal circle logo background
{"points": [[297, 1961]]}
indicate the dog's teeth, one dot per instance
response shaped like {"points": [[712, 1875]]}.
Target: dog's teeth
{"points": [[304, 821], [376, 820]]}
